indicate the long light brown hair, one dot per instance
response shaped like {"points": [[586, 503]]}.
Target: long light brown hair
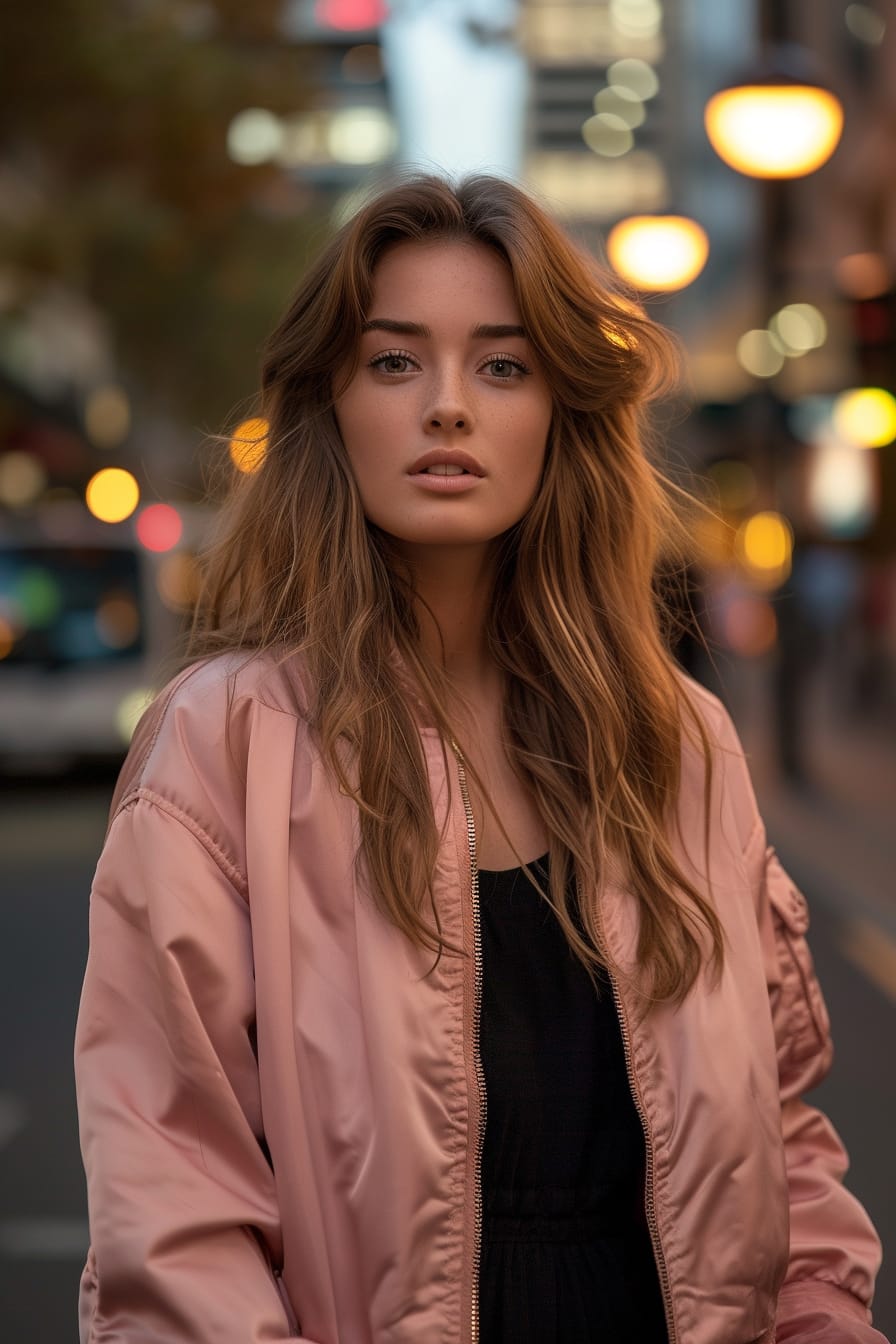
{"points": [[595, 706]]}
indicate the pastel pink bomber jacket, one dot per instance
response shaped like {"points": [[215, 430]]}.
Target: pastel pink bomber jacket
{"points": [[280, 1116]]}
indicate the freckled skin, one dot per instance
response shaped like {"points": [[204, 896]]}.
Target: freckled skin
{"points": [[450, 389]]}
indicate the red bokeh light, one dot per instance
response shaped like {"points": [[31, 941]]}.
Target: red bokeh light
{"points": [[350, 14], [159, 527]]}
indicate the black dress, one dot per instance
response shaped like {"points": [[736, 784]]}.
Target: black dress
{"points": [[566, 1253]]}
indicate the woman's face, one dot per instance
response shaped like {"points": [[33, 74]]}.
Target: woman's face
{"points": [[446, 419]]}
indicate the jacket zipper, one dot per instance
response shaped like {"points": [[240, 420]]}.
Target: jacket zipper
{"points": [[649, 1202], [477, 1017]]}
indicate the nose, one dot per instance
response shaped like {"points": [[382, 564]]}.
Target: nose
{"points": [[437, 423], [448, 408]]}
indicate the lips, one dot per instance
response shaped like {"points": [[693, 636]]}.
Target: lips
{"points": [[446, 462]]}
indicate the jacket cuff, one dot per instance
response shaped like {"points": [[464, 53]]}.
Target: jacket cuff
{"points": [[813, 1311]]}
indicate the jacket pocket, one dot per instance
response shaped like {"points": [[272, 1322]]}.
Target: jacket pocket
{"points": [[802, 1025]]}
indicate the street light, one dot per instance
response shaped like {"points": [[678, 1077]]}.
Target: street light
{"points": [[658, 252], [774, 129], [778, 123]]}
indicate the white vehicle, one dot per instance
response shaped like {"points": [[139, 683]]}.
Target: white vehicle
{"points": [[90, 620]]}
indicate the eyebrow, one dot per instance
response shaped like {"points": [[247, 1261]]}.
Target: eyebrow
{"points": [[485, 331]]}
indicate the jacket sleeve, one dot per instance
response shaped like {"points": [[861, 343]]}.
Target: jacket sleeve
{"points": [[184, 1223], [834, 1249]]}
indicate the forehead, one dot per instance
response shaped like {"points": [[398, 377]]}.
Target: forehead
{"points": [[440, 273]]}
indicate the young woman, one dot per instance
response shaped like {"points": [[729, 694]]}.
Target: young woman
{"points": [[442, 986]]}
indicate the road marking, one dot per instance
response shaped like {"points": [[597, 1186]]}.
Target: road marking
{"points": [[13, 1115], [44, 1238], [873, 951]]}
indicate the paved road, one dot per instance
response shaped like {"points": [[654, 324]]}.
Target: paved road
{"points": [[49, 839]]}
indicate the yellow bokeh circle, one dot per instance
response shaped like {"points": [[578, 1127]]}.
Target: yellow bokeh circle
{"points": [[112, 494], [658, 252], [774, 130], [249, 444], [866, 417], [764, 544]]}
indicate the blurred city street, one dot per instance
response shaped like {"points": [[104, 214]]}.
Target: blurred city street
{"points": [[837, 839], [167, 173]]}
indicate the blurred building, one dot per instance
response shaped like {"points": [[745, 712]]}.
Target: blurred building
{"points": [[595, 105], [345, 130]]}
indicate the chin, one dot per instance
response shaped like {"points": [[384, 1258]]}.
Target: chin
{"points": [[445, 535]]}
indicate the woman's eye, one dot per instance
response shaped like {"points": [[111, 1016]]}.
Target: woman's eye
{"points": [[505, 369], [392, 363]]}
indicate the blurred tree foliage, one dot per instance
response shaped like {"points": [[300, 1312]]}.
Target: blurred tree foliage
{"points": [[115, 181]]}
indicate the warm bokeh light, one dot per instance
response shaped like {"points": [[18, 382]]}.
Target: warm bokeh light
{"points": [[636, 75], [112, 495], [249, 444], [760, 353], [159, 527], [621, 102], [749, 627], [107, 416], [607, 134], [636, 18], [863, 275], [866, 417], [774, 130], [22, 478], [254, 136], [117, 620], [800, 327], [764, 545], [361, 135], [842, 486], [130, 710], [658, 252], [177, 581]]}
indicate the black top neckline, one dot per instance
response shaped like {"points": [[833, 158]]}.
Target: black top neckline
{"points": [[541, 862]]}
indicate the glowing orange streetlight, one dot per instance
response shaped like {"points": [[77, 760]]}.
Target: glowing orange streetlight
{"points": [[766, 128], [779, 120], [658, 252]]}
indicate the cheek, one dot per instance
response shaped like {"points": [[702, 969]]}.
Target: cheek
{"points": [[362, 433], [358, 431], [368, 425], [526, 440]]}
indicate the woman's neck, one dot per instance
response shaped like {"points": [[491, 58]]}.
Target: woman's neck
{"points": [[454, 587]]}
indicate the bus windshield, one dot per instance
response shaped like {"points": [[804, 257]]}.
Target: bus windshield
{"points": [[69, 604]]}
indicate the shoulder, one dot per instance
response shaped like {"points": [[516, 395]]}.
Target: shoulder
{"points": [[698, 701], [723, 755], [194, 736]]}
